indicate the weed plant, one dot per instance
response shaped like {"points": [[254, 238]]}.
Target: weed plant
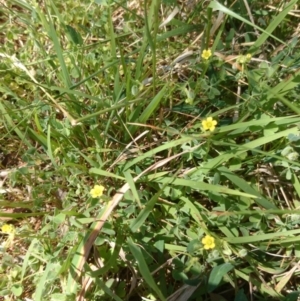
{"points": [[149, 150]]}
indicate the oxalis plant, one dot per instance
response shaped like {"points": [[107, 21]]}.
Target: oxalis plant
{"points": [[149, 150]]}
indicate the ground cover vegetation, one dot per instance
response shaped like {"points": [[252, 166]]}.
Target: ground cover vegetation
{"points": [[149, 150]]}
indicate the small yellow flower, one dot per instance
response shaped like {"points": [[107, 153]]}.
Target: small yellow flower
{"points": [[209, 124], [206, 54], [248, 57], [9, 229], [244, 59], [208, 242], [97, 191]]}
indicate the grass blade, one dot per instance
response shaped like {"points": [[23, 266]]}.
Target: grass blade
{"points": [[218, 6], [143, 268], [242, 184]]}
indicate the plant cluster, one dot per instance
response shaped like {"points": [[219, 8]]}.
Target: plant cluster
{"points": [[149, 150]]}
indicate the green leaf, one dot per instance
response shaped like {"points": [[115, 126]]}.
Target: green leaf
{"points": [[296, 184], [276, 21], [101, 2], [201, 186], [73, 35], [216, 275], [141, 218], [144, 269], [58, 297], [293, 296], [240, 149], [57, 46], [152, 105], [240, 296], [132, 186], [277, 237], [217, 6], [156, 150], [242, 184], [17, 290], [48, 276], [105, 173]]}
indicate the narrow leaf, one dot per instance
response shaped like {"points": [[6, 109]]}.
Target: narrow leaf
{"points": [[218, 6], [242, 184], [143, 268]]}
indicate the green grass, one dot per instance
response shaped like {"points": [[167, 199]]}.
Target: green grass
{"points": [[98, 93]]}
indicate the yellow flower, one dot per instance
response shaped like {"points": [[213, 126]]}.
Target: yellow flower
{"points": [[209, 124], [9, 229], [209, 242], [97, 191], [206, 54], [243, 59]]}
